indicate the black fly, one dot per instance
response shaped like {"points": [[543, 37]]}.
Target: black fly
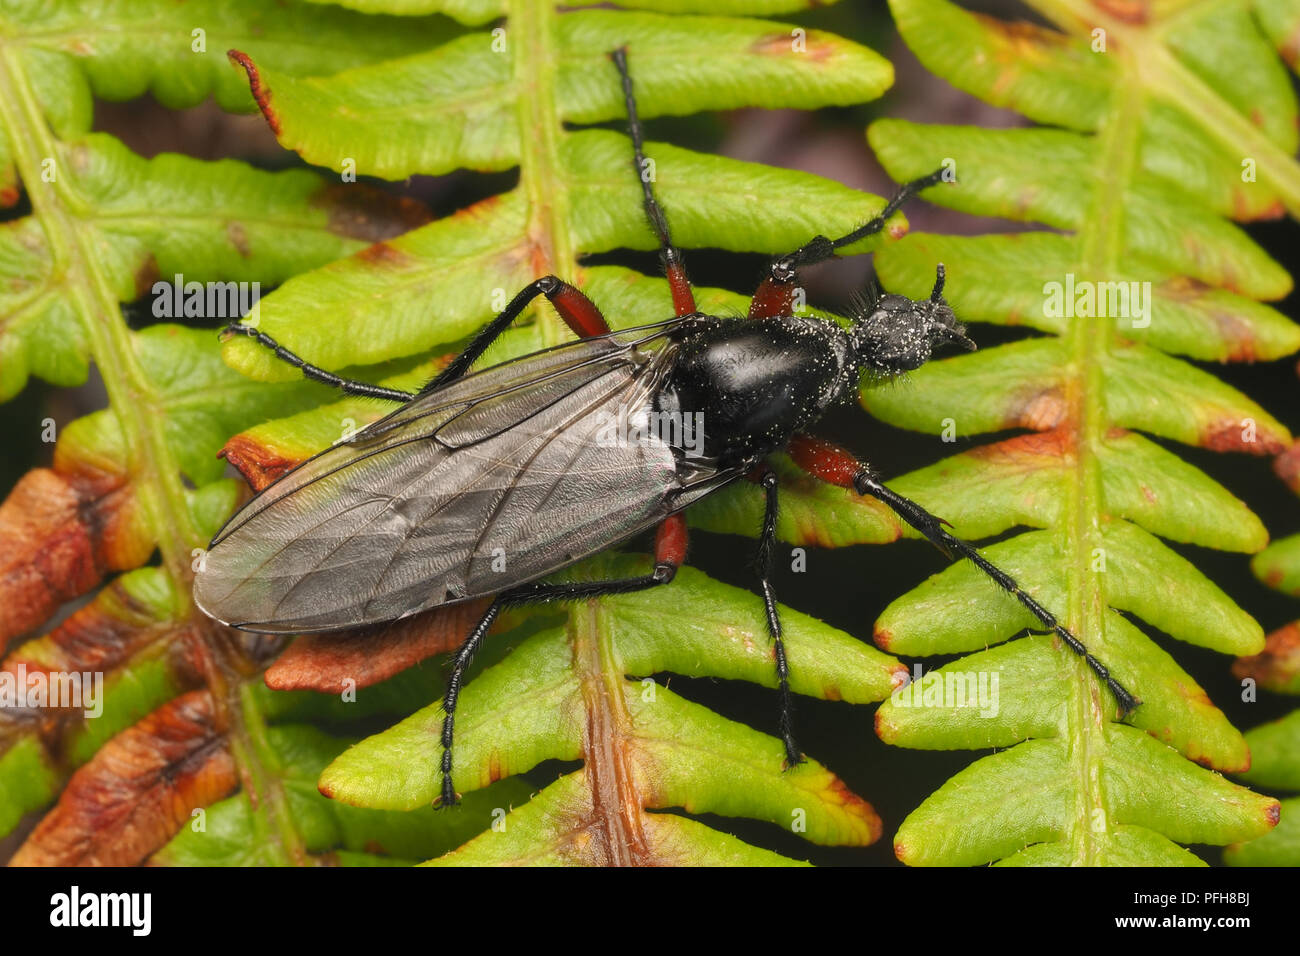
{"points": [[415, 511]]}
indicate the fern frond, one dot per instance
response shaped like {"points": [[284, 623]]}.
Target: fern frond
{"points": [[1139, 164]]}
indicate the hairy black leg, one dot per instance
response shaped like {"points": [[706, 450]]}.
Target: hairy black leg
{"points": [[540, 593], [866, 483], [674, 269], [348, 385], [578, 312], [534, 593], [670, 551], [459, 664], [834, 465], [821, 248], [775, 294], [766, 567]]}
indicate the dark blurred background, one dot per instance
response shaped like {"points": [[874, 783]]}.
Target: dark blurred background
{"points": [[848, 588]]}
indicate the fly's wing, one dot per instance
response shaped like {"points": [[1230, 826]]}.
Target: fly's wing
{"points": [[499, 478]]}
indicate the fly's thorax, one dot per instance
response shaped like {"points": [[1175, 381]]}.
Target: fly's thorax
{"points": [[753, 384]]}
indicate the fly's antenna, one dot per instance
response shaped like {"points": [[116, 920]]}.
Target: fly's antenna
{"points": [[939, 276]]}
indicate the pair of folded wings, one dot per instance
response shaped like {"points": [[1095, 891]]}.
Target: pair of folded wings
{"points": [[494, 480]]}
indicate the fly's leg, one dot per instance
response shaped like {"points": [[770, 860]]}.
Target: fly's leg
{"points": [[459, 664], [670, 553], [766, 567], [349, 385], [775, 296], [674, 269], [579, 313], [836, 466]]}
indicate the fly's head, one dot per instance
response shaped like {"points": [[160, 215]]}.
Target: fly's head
{"points": [[893, 334]]}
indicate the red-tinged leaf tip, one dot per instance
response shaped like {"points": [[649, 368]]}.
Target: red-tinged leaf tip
{"points": [[899, 676], [1232, 435], [883, 639], [1278, 664], [1212, 762], [258, 464], [137, 791], [323, 662], [839, 792], [261, 95], [1233, 328], [1130, 11], [8, 196], [1287, 467], [1238, 332], [1243, 210], [1273, 813]]}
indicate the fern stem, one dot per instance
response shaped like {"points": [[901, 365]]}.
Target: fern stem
{"points": [[1154, 68], [532, 37], [616, 807], [263, 782], [137, 408], [616, 802], [1101, 245]]}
